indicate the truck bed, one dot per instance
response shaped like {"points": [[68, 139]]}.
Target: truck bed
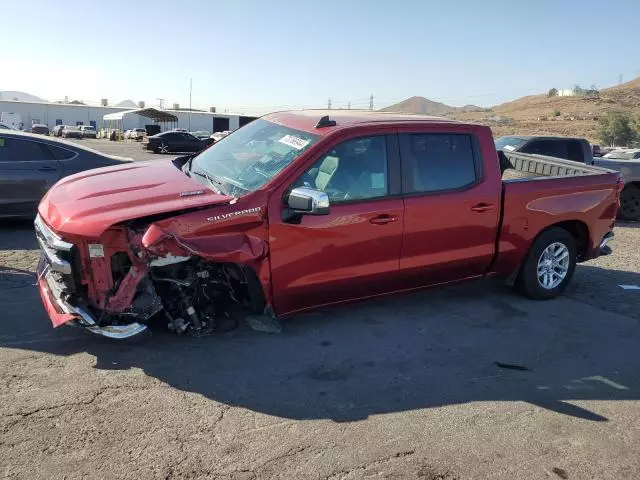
{"points": [[524, 166]]}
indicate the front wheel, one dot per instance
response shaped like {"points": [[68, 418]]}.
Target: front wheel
{"points": [[630, 203], [549, 265]]}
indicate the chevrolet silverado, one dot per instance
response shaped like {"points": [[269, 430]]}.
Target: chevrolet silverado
{"points": [[299, 210]]}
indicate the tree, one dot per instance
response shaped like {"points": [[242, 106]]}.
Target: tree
{"points": [[552, 92], [556, 113], [616, 129], [578, 90]]}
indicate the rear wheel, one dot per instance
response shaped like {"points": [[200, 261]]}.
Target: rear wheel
{"points": [[630, 203], [549, 265], [163, 148]]}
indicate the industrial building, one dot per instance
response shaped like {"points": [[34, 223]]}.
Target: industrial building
{"points": [[24, 114]]}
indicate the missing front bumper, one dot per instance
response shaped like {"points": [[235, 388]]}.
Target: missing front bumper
{"points": [[61, 312]]}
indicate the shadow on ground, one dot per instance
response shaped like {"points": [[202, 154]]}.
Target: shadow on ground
{"points": [[468, 343]]}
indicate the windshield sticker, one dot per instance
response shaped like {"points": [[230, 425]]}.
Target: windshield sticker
{"points": [[295, 142], [509, 148]]}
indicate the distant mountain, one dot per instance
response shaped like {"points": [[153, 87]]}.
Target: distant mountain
{"points": [[19, 96], [424, 106], [127, 104]]}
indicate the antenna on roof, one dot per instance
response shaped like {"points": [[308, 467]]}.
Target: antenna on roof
{"points": [[325, 122]]}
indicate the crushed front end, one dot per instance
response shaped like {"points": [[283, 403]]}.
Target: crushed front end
{"points": [[133, 274]]}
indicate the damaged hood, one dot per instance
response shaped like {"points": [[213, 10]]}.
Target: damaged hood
{"points": [[89, 202]]}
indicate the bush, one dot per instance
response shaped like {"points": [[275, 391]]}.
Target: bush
{"points": [[552, 93], [617, 128], [556, 113]]}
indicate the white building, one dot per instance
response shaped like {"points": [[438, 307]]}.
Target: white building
{"points": [[566, 92], [52, 114]]}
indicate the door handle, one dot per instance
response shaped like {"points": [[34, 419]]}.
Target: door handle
{"points": [[482, 207], [46, 169], [383, 219]]}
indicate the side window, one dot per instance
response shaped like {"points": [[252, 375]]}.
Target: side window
{"points": [[60, 153], [550, 148], [436, 162], [170, 136], [18, 150], [574, 151], [355, 169]]}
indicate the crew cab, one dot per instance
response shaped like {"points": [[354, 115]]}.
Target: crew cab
{"points": [[578, 150], [299, 210]]}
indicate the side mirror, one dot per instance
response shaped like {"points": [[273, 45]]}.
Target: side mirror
{"points": [[308, 201]]}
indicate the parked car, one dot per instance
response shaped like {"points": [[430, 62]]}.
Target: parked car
{"points": [[70, 131], [624, 154], [39, 129], [57, 130], [137, 133], [297, 210], [175, 142], [4, 126], [30, 164], [217, 136], [201, 134], [88, 131], [184, 130], [579, 150]]}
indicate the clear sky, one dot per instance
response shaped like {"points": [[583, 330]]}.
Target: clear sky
{"points": [[258, 55]]}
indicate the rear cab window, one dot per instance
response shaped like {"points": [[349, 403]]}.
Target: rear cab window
{"points": [[436, 162]]}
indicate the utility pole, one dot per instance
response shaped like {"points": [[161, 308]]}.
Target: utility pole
{"points": [[349, 106], [620, 79], [371, 102], [160, 100], [329, 104], [190, 89]]}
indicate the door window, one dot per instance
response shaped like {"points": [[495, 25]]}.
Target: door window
{"points": [[438, 162], [575, 151], [355, 169], [550, 148], [18, 150]]}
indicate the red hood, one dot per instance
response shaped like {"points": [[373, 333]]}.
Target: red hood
{"points": [[89, 202]]}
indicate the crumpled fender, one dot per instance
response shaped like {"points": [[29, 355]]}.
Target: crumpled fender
{"points": [[227, 247]]}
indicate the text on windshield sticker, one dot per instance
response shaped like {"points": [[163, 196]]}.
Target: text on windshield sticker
{"points": [[295, 142]]}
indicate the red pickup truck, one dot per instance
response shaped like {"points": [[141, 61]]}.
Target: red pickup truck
{"points": [[298, 210]]}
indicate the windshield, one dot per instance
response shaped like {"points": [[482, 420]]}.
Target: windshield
{"points": [[510, 143], [252, 156], [622, 155]]}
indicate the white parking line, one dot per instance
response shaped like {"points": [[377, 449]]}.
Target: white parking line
{"points": [[630, 287]]}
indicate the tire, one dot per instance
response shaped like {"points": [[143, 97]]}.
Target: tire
{"points": [[549, 265], [630, 203], [163, 148]]}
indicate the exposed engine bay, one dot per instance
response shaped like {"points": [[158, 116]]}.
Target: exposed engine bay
{"points": [[138, 274]]}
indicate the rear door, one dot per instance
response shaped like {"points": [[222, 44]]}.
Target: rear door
{"points": [[452, 207], [27, 170], [354, 251]]}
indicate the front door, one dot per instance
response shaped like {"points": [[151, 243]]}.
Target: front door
{"points": [[27, 170], [354, 251], [452, 208]]}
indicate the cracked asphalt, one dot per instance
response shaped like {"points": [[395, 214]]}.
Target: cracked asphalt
{"points": [[416, 386]]}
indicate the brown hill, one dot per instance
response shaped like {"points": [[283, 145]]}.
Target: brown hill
{"points": [[424, 106], [542, 115]]}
